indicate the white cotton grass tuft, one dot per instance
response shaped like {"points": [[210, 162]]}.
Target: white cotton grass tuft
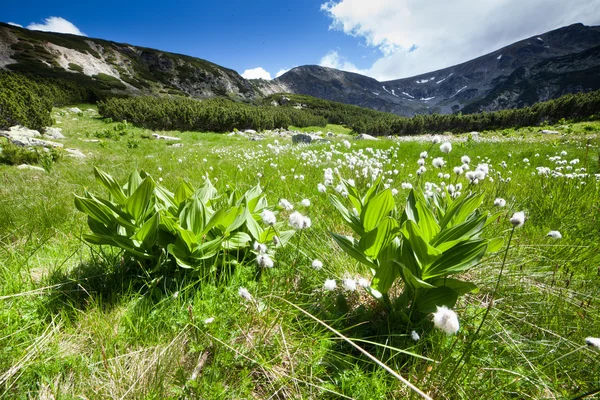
{"points": [[209, 320], [362, 282], [260, 247], [299, 221], [268, 217], [305, 203], [438, 162], [349, 284], [500, 202], [446, 320], [446, 147], [329, 284], [245, 294], [518, 219], [285, 204], [321, 188], [415, 336], [593, 342], [317, 265], [264, 261], [554, 235]]}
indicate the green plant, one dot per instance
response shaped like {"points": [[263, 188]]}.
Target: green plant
{"points": [[426, 243], [191, 229]]}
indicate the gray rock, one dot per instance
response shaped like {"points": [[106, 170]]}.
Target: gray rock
{"points": [[177, 145], [250, 131], [19, 130], [162, 137], [330, 134], [55, 133], [307, 138], [31, 167], [74, 110], [549, 132], [364, 136], [74, 153]]}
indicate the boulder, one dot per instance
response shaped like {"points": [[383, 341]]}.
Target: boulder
{"points": [[163, 137], [74, 153], [74, 110], [31, 167], [307, 138], [55, 133], [549, 132], [250, 131], [364, 136]]}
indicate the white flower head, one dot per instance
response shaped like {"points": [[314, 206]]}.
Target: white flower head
{"points": [[500, 202], [329, 284], [245, 294], [465, 160], [436, 139], [260, 247], [438, 162], [518, 219], [209, 320], [264, 261], [349, 284], [286, 205], [423, 154], [268, 217], [305, 202], [555, 235], [321, 188], [317, 264], [362, 282], [593, 342], [299, 221], [446, 147], [446, 320], [415, 336]]}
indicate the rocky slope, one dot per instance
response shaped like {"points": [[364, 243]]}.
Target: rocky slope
{"points": [[118, 67], [539, 68]]}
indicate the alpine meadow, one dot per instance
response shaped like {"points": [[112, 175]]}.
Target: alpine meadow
{"points": [[172, 230]]}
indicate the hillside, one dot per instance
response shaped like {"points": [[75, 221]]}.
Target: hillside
{"points": [[543, 67], [116, 67]]}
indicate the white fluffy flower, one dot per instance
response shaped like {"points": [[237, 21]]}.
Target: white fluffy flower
{"points": [[446, 320], [500, 202], [423, 154], [518, 219], [299, 221], [362, 282], [349, 284], [260, 247], [264, 261], [245, 293], [305, 202], [438, 162], [436, 140], [406, 185], [415, 336], [209, 320], [421, 162], [458, 170], [321, 188], [593, 342], [555, 235], [329, 284], [283, 203], [465, 160], [317, 264], [446, 147], [268, 217]]}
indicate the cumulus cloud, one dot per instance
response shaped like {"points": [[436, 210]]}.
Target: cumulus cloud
{"points": [[334, 60], [416, 36], [14, 24], [256, 73], [56, 24]]}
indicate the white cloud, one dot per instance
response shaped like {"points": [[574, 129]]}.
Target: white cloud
{"points": [[256, 73], [56, 24], [334, 60], [14, 24], [448, 32], [281, 72]]}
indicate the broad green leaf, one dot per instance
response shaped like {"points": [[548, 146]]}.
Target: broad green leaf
{"points": [[372, 190], [351, 219], [378, 207], [193, 216], [118, 241], [351, 247], [252, 196], [188, 238], [461, 209], [148, 233], [134, 181], [208, 249], [458, 259], [495, 245], [183, 192], [139, 202], [239, 221], [96, 210], [164, 198], [236, 241], [100, 228], [428, 300], [410, 210], [182, 257], [460, 287], [373, 241], [206, 192], [464, 231], [113, 187], [425, 254], [426, 219], [411, 280], [384, 278], [252, 226]]}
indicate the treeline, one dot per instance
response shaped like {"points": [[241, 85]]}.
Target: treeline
{"points": [[28, 101], [217, 115]]}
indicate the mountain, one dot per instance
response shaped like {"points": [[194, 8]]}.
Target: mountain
{"points": [[116, 67], [539, 68]]}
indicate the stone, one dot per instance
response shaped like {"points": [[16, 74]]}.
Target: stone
{"points": [[74, 110], [177, 145], [162, 137], [549, 132], [54, 133], [31, 167], [307, 138], [330, 134], [364, 136], [250, 131], [74, 153]]}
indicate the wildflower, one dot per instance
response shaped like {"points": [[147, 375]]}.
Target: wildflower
{"points": [[394, 191], [268, 217], [423, 154], [421, 170], [349, 284], [321, 188], [299, 221], [260, 247], [415, 336], [436, 140], [421, 162], [446, 320], [446, 147], [406, 185], [555, 235], [438, 162], [209, 320], [347, 144], [500, 202], [317, 264], [458, 170], [264, 261], [305, 202], [329, 284], [286, 205], [465, 160], [518, 219], [593, 342], [362, 282], [245, 293]]}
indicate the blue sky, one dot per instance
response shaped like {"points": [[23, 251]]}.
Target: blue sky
{"points": [[385, 39]]}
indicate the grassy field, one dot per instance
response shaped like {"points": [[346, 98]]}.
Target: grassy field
{"points": [[78, 321]]}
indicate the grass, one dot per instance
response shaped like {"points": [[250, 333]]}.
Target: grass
{"points": [[80, 322]]}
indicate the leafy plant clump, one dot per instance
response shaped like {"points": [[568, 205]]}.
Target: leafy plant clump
{"points": [[198, 230], [423, 245]]}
